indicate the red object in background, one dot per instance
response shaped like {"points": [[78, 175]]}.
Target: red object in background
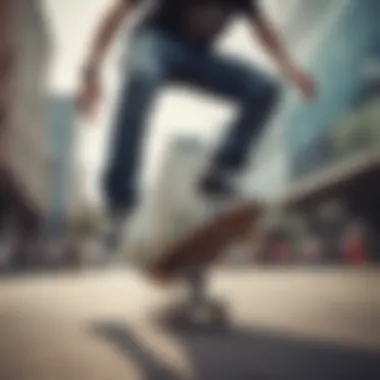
{"points": [[356, 251], [281, 252], [312, 250]]}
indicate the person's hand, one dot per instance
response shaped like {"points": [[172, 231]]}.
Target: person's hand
{"points": [[89, 95], [305, 83]]}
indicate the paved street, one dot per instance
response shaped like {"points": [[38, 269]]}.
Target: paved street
{"points": [[285, 324]]}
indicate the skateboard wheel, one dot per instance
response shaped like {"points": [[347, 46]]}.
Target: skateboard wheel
{"points": [[210, 313], [218, 314]]}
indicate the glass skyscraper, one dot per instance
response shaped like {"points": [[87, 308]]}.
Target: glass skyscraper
{"points": [[61, 118], [339, 62]]}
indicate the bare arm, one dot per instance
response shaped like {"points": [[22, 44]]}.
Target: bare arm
{"points": [[106, 31], [90, 88], [272, 41]]}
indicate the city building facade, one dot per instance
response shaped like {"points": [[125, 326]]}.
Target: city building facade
{"points": [[30, 154], [64, 190], [338, 42], [25, 153], [340, 62]]}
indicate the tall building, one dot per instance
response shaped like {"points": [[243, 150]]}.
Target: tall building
{"points": [[172, 202], [26, 164], [304, 26], [339, 62], [173, 207], [64, 190], [336, 40], [184, 159], [5, 89]]}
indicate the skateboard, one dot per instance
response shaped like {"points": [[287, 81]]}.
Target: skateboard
{"points": [[190, 259]]}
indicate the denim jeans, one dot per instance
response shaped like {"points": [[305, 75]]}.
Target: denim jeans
{"points": [[157, 59]]}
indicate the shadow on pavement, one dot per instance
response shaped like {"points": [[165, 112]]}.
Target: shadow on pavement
{"points": [[240, 354], [124, 340]]}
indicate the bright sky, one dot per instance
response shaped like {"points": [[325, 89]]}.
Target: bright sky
{"points": [[72, 23]]}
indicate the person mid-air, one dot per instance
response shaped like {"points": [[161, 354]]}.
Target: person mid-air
{"points": [[174, 42]]}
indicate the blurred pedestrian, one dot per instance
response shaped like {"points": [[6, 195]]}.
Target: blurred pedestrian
{"points": [[355, 245]]}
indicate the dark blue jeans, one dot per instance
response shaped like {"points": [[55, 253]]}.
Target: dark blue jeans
{"points": [[157, 59]]}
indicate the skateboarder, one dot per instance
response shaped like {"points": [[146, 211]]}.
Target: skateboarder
{"points": [[174, 41]]}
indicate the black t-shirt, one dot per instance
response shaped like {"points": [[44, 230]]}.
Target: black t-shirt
{"points": [[198, 20]]}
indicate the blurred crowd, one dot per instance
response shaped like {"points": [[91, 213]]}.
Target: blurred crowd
{"points": [[47, 250], [329, 236]]}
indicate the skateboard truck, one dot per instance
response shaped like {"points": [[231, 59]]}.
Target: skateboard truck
{"points": [[200, 308], [189, 259], [196, 281]]}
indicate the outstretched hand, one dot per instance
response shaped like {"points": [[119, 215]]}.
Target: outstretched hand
{"points": [[88, 98], [306, 84]]}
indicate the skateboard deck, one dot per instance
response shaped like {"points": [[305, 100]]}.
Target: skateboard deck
{"points": [[204, 245]]}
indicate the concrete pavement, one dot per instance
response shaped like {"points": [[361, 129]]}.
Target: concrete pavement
{"points": [[285, 324]]}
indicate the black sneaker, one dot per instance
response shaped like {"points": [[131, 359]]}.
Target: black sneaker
{"points": [[215, 185], [113, 236]]}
